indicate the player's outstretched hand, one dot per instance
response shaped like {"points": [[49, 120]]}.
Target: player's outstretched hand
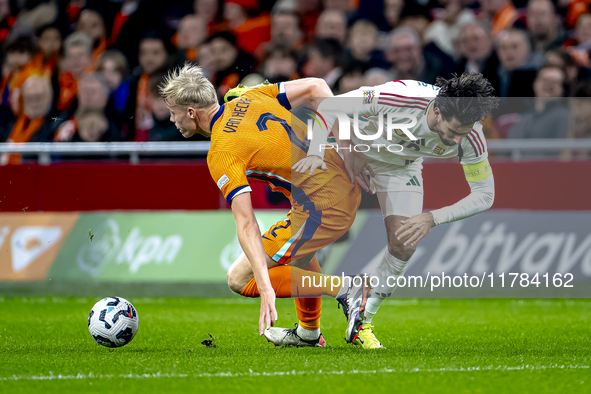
{"points": [[356, 166], [415, 228], [311, 162], [268, 315]]}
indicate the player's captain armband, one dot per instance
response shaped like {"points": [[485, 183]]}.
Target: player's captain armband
{"points": [[477, 172]]}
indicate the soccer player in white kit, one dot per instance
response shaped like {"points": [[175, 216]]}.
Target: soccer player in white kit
{"points": [[448, 124]]}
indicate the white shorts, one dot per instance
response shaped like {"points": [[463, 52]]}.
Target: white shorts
{"points": [[399, 189]]}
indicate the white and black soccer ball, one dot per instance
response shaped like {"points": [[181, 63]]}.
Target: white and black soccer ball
{"points": [[113, 322]]}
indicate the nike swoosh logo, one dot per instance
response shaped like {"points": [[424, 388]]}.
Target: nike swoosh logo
{"points": [[267, 238]]}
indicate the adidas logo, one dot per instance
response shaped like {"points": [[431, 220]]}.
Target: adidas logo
{"points": [[413, 182]]}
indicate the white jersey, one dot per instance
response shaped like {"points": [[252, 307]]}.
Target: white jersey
{"points": [[399, 97], [404, 102]]}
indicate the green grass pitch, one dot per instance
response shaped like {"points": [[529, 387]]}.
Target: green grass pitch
{"points": [[433, 345]]}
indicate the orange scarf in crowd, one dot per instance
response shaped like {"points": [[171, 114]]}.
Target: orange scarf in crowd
{"points": [[504, 18], [68, 91], [120, 20], [228, 83], [37, 67], [253, 33], [143, 110], [22, 131], [190, 53], [96, 54]]}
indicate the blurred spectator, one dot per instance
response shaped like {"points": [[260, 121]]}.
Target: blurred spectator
{"points": [[445, 29], [36, 14], [19, 53], [560, 58], [113, 65], [580, 106], [250, 31], [191, 32], [78, 52], [549, 116], [92, 24], [280, 64], [339, 5], [392, 11], [377, 76], [575, 9], [498, 15], [285, 31], [93, 126], [474, 49], [93, 91], [363, 42], [352, 78], [309, 13], [42, 64], [578, 47], [153, 55], [164, 129], [212, 13], [580, 121], [513, 77], [7, 20], [582, 32], [544, 32], [324, 61], [332, 24], [206, 60], [416, 17], [50, 44], [411, 61], [230, 63], [92, 97], [88, 125], [35, 124]]}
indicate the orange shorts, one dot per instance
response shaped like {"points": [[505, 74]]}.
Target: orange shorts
{"points": [[307, 230]]}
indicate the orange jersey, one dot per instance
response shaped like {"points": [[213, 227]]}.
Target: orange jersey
{"points": [[256, 138]]}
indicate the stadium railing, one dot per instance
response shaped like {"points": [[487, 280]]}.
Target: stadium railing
{"points": [[515, 148]]}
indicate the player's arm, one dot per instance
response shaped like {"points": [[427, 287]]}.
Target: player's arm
{"points": [[481, 198], [249, 236], [307, 90], [332, 108], [479, 176], [229, 172]]}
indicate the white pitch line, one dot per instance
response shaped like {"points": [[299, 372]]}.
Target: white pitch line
{"points": [[251, 373]]}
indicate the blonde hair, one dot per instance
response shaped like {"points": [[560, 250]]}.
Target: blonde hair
{"points": [[188, 86]]}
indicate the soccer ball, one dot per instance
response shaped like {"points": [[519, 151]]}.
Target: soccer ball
{"points": [[113, 322]]}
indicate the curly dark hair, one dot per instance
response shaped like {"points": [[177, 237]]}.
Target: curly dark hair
{"points": [[467, 98]]}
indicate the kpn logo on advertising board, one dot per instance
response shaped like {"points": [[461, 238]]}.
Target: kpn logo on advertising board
{"points": [[397, 123], [135, 250]]}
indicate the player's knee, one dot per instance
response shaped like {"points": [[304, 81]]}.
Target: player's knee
{"points": [[399, 250], [234, 281]]}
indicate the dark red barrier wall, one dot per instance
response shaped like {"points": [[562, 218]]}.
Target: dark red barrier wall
{"points": [[87, 187], [100, 186], [543, 185]]}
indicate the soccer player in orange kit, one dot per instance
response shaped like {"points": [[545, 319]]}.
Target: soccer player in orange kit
{"points": [[255, 138]]}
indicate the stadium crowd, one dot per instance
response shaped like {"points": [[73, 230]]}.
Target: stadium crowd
{"points": [[84, 70]]}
